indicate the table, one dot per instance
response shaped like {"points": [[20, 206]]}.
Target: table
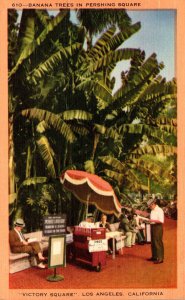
{"points": [[113, 235]]}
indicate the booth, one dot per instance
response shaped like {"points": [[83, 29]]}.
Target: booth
{"points": [[90, 246]]}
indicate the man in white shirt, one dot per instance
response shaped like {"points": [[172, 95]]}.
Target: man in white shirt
{"points": [[156, 221], [89, 222]]}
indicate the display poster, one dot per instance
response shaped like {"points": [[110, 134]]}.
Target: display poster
{"points": [[56, 251], [93, 85]]}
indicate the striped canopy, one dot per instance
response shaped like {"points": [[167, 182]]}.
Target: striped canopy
{"points": [[91, 189]]}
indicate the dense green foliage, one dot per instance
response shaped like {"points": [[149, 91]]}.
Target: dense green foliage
{"points": [[63, 113]]}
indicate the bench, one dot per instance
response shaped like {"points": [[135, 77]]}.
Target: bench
{"points": [[120, 243], [22, 261]]}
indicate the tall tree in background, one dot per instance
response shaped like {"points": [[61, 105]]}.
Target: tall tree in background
{"points": [[65, 114]]}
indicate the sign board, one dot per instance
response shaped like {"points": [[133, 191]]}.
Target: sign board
{"points": [[54, 225], [57, 251], [98, 245]]}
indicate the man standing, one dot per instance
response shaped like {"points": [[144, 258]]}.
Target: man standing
{"points": [[19, 244], [156, 221]]}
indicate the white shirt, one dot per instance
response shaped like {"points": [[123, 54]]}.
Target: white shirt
{"points": [[85, 224], [157, 214]]}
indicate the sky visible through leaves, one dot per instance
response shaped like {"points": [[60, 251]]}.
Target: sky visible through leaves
{"points": [[157, 34]]}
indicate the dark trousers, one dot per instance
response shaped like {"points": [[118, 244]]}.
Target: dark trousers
{"points": [[139, 237], [32, 249], [157, 241]]}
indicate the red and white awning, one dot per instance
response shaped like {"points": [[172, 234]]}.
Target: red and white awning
{"points": [[91, 189]]}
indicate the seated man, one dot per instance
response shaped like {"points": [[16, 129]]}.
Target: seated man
{"points": [[18, 243], [134, 220], [128, 230], [103, 223], [142, 229], [89, 222]]}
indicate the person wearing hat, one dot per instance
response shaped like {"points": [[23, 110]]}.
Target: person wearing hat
{"points": [[18, 243], [88, 222], [156, 221], [103, 223]]}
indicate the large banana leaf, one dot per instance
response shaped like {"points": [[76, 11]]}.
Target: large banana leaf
{"points": [[30, 48], [34, 181], [113, 162], [27, 29], [102, 93], [169, 125], [166, 121], [47, 154], [134, 90], [108, 132], [122, 36], [114, 175], [143, 129], [43, 17], [112, 57], [49, 65], [154, 169], [79, 129], [76, 114], [99, 45], [98, 87], [52, 119], [108, 42], [154, 150], [163, 91]]}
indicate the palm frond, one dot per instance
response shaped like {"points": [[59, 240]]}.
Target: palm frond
{"points": [[47, 154], [143, 129], [30, 48], [113, 162], [154, 150], [108, 132], [103, 93], [114, 175], [134, 90], [34, 181], [123, 35], [52, 120], [166, 121], [79, 129], [27, 30], [49, 65], [76, 114], [112, 57], [159, 90], [152, 168], [43, 16], [100, 44]]}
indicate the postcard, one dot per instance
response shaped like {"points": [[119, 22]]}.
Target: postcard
{"points": [[91, 97]]}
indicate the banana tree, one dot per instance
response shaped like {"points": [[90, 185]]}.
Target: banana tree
{"points": [[34, 33], [66, 102]]}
